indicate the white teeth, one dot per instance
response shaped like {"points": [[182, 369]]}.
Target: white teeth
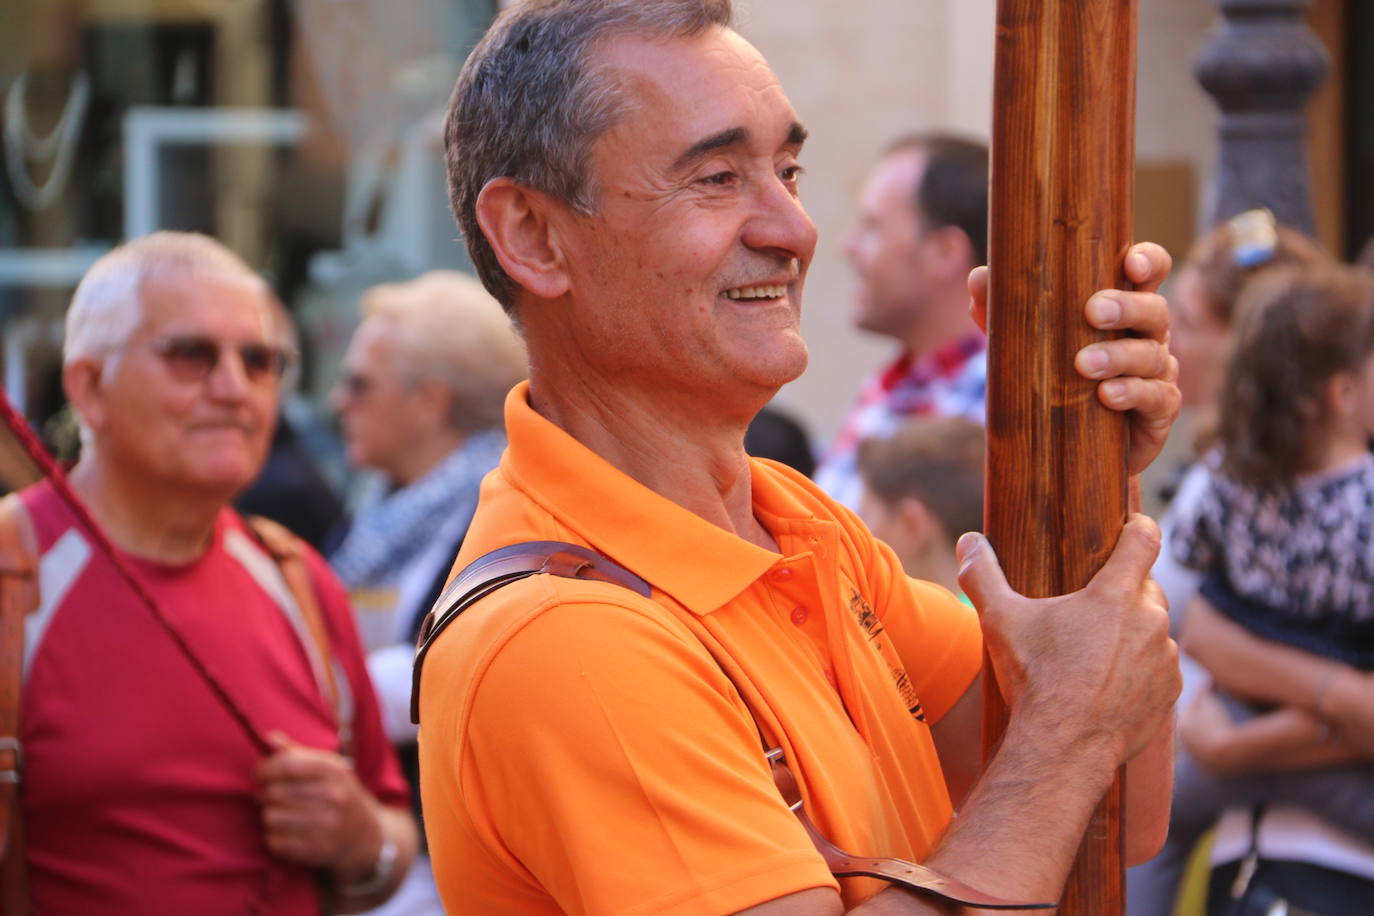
{"points": [[756, 292]]}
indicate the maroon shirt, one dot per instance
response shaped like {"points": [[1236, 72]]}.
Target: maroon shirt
{"points": [[138, 791]]}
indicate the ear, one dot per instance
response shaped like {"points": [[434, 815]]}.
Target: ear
{"points": [[438, 400], [952, 252], [516, 221], [1341, 394], [81, 381], [917, 521]]}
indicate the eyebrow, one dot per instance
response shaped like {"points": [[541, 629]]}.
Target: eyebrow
{"points": [[732, 136]]}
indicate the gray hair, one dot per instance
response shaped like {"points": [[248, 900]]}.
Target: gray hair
{"points": [[107, 306], [448, 328], [529, 107]]}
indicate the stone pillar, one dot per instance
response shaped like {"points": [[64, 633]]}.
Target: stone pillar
{"points": [[1260, 67]]}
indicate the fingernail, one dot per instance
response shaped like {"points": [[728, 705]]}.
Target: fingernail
{"points": [[1106, 311], [1139, 263], [1115, 391], [1095, 361], [970, 543]]}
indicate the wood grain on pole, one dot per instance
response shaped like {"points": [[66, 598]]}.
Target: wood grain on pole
{"points": [[1060, 223]]}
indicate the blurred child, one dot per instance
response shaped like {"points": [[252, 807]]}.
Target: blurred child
{"points": [[1209, 283], [1206, 289], [923, 488], [1284, 536]]}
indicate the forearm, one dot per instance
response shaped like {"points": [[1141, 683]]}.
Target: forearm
{"points": [[359, 889], [1346, 699], [1149, 794], [1258, 669], [1250, 667], [1022, 824], [1287, 739]]}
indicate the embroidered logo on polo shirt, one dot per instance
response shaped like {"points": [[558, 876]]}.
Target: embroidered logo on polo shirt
{"points": [[873, 628]]}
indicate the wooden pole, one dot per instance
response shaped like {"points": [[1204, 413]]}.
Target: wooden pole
{"points": [[1063, 154]]}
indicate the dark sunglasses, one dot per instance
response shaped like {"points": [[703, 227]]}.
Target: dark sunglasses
{"points": [[192, 358]]}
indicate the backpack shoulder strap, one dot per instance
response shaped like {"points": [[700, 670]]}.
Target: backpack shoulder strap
{"points": [[288, 552], [501, 567], [18, 597]]}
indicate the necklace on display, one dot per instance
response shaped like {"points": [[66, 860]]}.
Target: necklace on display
{"points": [[58, 147]]}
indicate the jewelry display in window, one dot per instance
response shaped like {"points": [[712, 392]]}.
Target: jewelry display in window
{"points": [[28, 155]]}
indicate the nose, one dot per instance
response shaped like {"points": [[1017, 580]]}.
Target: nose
{"points": [[781, 223], [338, 397], [228, 380]]}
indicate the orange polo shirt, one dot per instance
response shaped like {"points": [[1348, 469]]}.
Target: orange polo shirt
{"points": [[582, 749]]}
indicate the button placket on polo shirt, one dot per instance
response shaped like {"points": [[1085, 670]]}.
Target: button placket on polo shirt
{"points": [[795, 588]]}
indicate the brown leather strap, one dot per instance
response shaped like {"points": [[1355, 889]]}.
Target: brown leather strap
{"points": [[18, 597], [501, 567], [906, 874], [286, 549], [493, 570]]}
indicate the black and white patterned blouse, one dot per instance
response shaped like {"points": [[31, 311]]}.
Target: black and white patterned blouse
{"points": [[1296, 567]]}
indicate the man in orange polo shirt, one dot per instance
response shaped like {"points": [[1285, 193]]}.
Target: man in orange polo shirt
{"points": [[625, 173]]}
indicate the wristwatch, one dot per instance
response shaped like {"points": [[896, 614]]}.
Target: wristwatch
{"points": [[379, 876]]}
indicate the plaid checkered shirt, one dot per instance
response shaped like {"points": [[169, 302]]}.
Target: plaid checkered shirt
{"points": [[951, 381]]}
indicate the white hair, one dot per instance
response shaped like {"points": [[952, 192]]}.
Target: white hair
{"points": [[449, 328], [107, 307]]}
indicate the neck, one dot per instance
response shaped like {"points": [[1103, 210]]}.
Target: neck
{"points": [[945, 321], [422, 455], [145, 519], [937, 564], [1347, 445], [692, 457]]}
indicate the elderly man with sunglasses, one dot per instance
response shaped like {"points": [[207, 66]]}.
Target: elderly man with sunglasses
{"points": [[218, 749]]}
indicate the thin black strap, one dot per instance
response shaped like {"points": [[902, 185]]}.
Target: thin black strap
{"points": [[1256, 815], [1250, 864], [499, 568]]}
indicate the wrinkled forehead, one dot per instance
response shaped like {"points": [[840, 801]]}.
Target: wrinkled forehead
{"points": [[189, 299], [679, 88]]}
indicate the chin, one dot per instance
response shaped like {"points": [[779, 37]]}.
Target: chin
{"points": [[230, 483], [225, 475], [779, 364], [867, 317]]}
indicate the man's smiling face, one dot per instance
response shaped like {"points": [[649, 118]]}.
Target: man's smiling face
{"points": [[692, 267]]}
